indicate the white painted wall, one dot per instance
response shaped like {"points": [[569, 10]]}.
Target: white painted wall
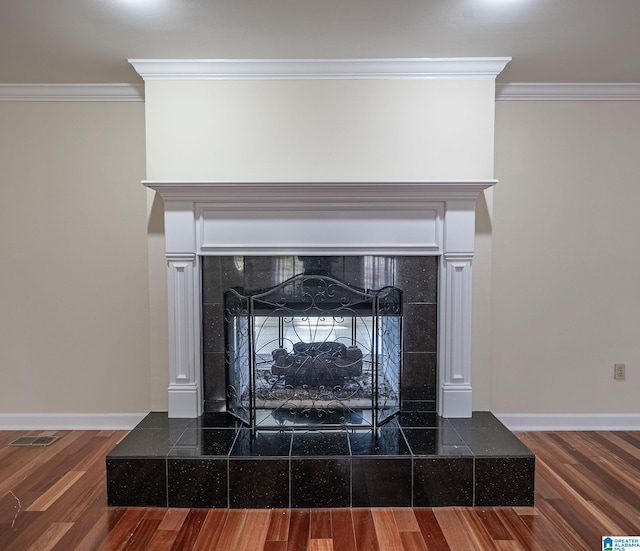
{"points": [[566, 258], [74, 329], [319, 129]]}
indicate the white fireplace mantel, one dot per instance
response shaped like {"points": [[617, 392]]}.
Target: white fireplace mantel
{"points": [[323, 218]]}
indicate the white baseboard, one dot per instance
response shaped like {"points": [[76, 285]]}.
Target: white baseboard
{"points": [[69, 421], [570, 421]]}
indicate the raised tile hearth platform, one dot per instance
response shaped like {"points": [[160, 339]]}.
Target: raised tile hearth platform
{"points": [[418, 459]]}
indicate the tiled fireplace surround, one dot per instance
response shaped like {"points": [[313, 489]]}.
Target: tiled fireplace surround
{"points": [[437, 452]]}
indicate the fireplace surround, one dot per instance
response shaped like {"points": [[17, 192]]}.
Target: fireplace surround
{"points": [[417, 218]]}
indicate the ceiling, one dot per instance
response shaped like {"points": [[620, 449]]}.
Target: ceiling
{"points": [[89, 41]]}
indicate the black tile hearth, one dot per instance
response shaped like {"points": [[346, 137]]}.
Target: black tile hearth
{"points": [[136, 482], [262, 443], [258, 483], [204, 443], [504, 481], [381, 481], [316, 443], [418, 459], [321, 482], [197, 482], [443, 482]]}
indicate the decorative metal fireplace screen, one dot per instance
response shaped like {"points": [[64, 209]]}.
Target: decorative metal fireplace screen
{"points": [[313, 351]]}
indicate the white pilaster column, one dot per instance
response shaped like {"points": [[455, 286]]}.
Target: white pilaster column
{"points": [[184, 342], [455, 345], [454, 360]]}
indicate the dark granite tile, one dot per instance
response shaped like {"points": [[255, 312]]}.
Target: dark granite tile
{"points": [[493, 442], [478, 420], [214, 419], [332, 266], [220, 273], [317, 443], [197, 482], [161, 420], [443, 441], [258, 483], [231, 273], [148, 443], [417, 276], [419, 327], [262, 272], [425, 406], [136, 482], [211, 279], [440, 482], [262, 443], [381, 482], [321, 482], [212, 328], [214, 373], [204, 443], [419, 376], [504, 482], [382, 441], [421, 419], [352, 273]]}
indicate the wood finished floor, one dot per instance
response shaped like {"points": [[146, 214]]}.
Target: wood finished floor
{"points": [[54, 498]]}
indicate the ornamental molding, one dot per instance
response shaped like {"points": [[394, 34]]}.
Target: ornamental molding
{"points": [[71, 92], [568, 91], [515, 91], [309, 69]]}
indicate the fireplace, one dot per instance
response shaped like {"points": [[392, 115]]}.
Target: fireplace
{"points": [[262, 164], [410, 242]]}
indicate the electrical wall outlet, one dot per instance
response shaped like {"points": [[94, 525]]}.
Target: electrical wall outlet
{"points": [[619, 372]]}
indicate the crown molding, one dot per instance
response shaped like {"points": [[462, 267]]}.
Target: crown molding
{"points": [[274, 69], [71, 92], [516, 91], [568, 91]]}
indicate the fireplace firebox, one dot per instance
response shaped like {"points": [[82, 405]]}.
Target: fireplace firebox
{"points": [[313, 351], [319, 341]]}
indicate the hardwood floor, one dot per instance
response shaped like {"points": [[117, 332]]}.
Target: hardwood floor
{"points": [[54, 498]]}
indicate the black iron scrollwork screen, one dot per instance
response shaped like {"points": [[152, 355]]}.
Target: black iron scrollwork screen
{"points": [[313, 352]]}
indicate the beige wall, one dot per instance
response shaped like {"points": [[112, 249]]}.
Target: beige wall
{"points": [[566, 262], [555, 304], [74, 334]]}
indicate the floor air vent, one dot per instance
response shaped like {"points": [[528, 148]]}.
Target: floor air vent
{"points": [[34, 441]]}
